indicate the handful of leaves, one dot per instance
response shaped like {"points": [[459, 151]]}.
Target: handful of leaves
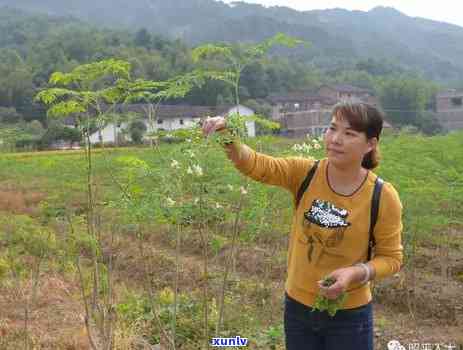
{"points": [[236, 128], [331, 306]]}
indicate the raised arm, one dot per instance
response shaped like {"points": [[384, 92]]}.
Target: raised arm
{"points": [[284, 172]]}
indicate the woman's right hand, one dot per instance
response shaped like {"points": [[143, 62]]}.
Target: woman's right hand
{"points": [[211, 125]]}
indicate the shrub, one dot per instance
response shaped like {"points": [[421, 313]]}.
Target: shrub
{"points": [[137, 130]]}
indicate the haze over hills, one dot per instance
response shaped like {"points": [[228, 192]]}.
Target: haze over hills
{"points": [[337, 35]]}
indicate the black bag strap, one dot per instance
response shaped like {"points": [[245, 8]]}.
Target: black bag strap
{"points": [[374, 213], [305, 184], [374, 202]]}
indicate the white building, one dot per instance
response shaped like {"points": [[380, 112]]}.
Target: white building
{"points": [[169, 118]]}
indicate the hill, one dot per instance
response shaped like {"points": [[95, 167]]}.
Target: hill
{"points": [[338, 36]]}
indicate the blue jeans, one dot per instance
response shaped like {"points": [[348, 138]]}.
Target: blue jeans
{"points": [[348, 330]]}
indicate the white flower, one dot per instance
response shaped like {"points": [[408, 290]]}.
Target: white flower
{"points": [[197, 170], [190, 153], [174, 164], [316, 143], [189, 170], [230, 187], [196, 200], [170, 202], [243, 190], [305, 148], [218, 206], [188, 140]]}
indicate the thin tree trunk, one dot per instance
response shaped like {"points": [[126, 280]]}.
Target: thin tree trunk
{"points": [[110, 299], [203, 235], [227, 266], [90, 217], [177, 273], [151, 122], [86, 306], [26, 324], [151, 293]]}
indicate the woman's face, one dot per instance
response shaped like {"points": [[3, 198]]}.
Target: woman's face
{"points": [[344, 146]]}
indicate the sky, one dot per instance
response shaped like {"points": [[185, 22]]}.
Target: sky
{"points": [[443, 10]]}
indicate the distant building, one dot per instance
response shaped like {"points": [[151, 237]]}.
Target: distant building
{"points": [[346, 92], [300, 113], [165, 117], [388, 126], [449, 109]]}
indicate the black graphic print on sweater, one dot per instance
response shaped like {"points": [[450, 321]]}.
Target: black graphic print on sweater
{"points": [[327, 216]]}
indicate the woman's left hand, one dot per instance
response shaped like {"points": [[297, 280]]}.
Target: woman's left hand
{"points": [[343, 277]]}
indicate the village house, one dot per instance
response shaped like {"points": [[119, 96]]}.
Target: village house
{"points": [[301, 113], [449, 109], [347, 92], [164, 117]]}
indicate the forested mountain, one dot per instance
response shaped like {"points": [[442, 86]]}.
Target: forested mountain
{"points": [[33, 45], [338, 37]]}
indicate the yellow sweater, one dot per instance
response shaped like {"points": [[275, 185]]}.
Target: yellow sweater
{"points": [[329, 230]]}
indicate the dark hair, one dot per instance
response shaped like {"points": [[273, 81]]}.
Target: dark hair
{"points": [[365, 118]]}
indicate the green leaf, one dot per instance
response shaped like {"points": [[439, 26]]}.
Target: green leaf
{"points": [[211, 51], [265, 123], [329, 305], [53, 95], [66, 108]]}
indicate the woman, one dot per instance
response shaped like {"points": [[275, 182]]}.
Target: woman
{"points": [[331, 227]]}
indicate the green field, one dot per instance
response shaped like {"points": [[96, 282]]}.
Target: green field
{"points": [[427, 172], [143, 205]]}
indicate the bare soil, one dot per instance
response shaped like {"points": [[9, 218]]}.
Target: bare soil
{"points": [[422, 304]]}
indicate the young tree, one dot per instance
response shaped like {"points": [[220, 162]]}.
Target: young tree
{"points": [[91, 92], [233, 59], [152, 93]]}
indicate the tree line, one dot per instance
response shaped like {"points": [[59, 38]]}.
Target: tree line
{"points": [[32, 47]]}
